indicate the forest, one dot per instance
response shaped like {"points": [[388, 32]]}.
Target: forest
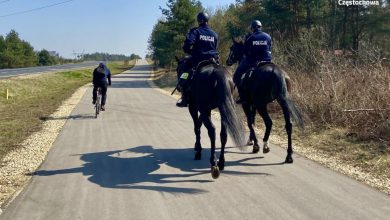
{"points": [[110, 57], [18, 53]]}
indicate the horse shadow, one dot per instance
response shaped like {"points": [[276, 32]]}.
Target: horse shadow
{"points": [[141, 168]]}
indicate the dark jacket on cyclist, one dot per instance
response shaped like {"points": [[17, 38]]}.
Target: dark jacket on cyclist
{"points": [[101, 75]]}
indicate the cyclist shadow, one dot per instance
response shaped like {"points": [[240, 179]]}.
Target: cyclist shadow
{"points": [[145, 168]]}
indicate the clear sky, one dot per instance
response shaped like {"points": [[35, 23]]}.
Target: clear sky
{"points": [[113, 26]]}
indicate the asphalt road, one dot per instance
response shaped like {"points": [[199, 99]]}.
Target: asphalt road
{"points": [[136, 162], [5, 73]]}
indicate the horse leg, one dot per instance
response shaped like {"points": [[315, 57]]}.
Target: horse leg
{"points": [[256, 147], [250, 113], [246, 109], [206, 119], [197, 125], [268, 126], [223, 135], [284, 105]]}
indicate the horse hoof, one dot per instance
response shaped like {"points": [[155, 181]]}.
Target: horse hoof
{"points": [[198, 146], [198, 156], [256, 149], [249, 143], [215, 172], [221, 165], [265, 147], [289, 159]]}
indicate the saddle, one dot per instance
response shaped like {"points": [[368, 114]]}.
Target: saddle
{"points": [[204, 63], [246, 77]]}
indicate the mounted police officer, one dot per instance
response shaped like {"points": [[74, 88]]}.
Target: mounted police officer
{"points": [[201, 43], [101, 75], [257, 51]]}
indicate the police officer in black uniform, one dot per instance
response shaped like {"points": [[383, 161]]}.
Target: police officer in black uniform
{"points": [[257, 50], [201, 43]]}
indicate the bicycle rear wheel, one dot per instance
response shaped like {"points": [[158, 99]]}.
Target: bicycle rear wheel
{"points": [[97, 106]]}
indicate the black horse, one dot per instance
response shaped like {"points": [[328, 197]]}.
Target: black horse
{"points": [[212, 87], [264, 84]]}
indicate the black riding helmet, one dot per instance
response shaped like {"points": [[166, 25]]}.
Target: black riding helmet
{"points": [[256, 25], [202, 17]]}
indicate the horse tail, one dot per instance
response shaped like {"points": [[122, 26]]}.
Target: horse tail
{"points": [[296, 115], [288, 83], [229, 116], [287, 80]]}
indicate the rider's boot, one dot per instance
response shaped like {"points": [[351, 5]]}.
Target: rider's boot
{"points": [[183, 102]]}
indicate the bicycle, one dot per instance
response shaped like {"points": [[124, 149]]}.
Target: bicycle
{"points": [[98, 104]]}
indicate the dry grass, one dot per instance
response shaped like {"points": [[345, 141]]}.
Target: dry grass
{"points": [[343, 89], [356, 98], [32, 98], [361, 137], [165, 79], [346, 100]]}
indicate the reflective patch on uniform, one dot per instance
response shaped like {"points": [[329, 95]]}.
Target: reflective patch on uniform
{"points": [[260, 43], [243, 76], [206, 38], [184, 76]]}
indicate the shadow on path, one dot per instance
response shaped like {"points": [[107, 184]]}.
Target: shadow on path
{"points": [[136, 168]]}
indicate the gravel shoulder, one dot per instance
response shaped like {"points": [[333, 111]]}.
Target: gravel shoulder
{"points": [[18, 164]]}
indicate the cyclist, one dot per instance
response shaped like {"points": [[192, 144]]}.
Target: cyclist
{"points": [[101, 75]]}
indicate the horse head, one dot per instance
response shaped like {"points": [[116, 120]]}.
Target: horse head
{"points": [[236, 52]]}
